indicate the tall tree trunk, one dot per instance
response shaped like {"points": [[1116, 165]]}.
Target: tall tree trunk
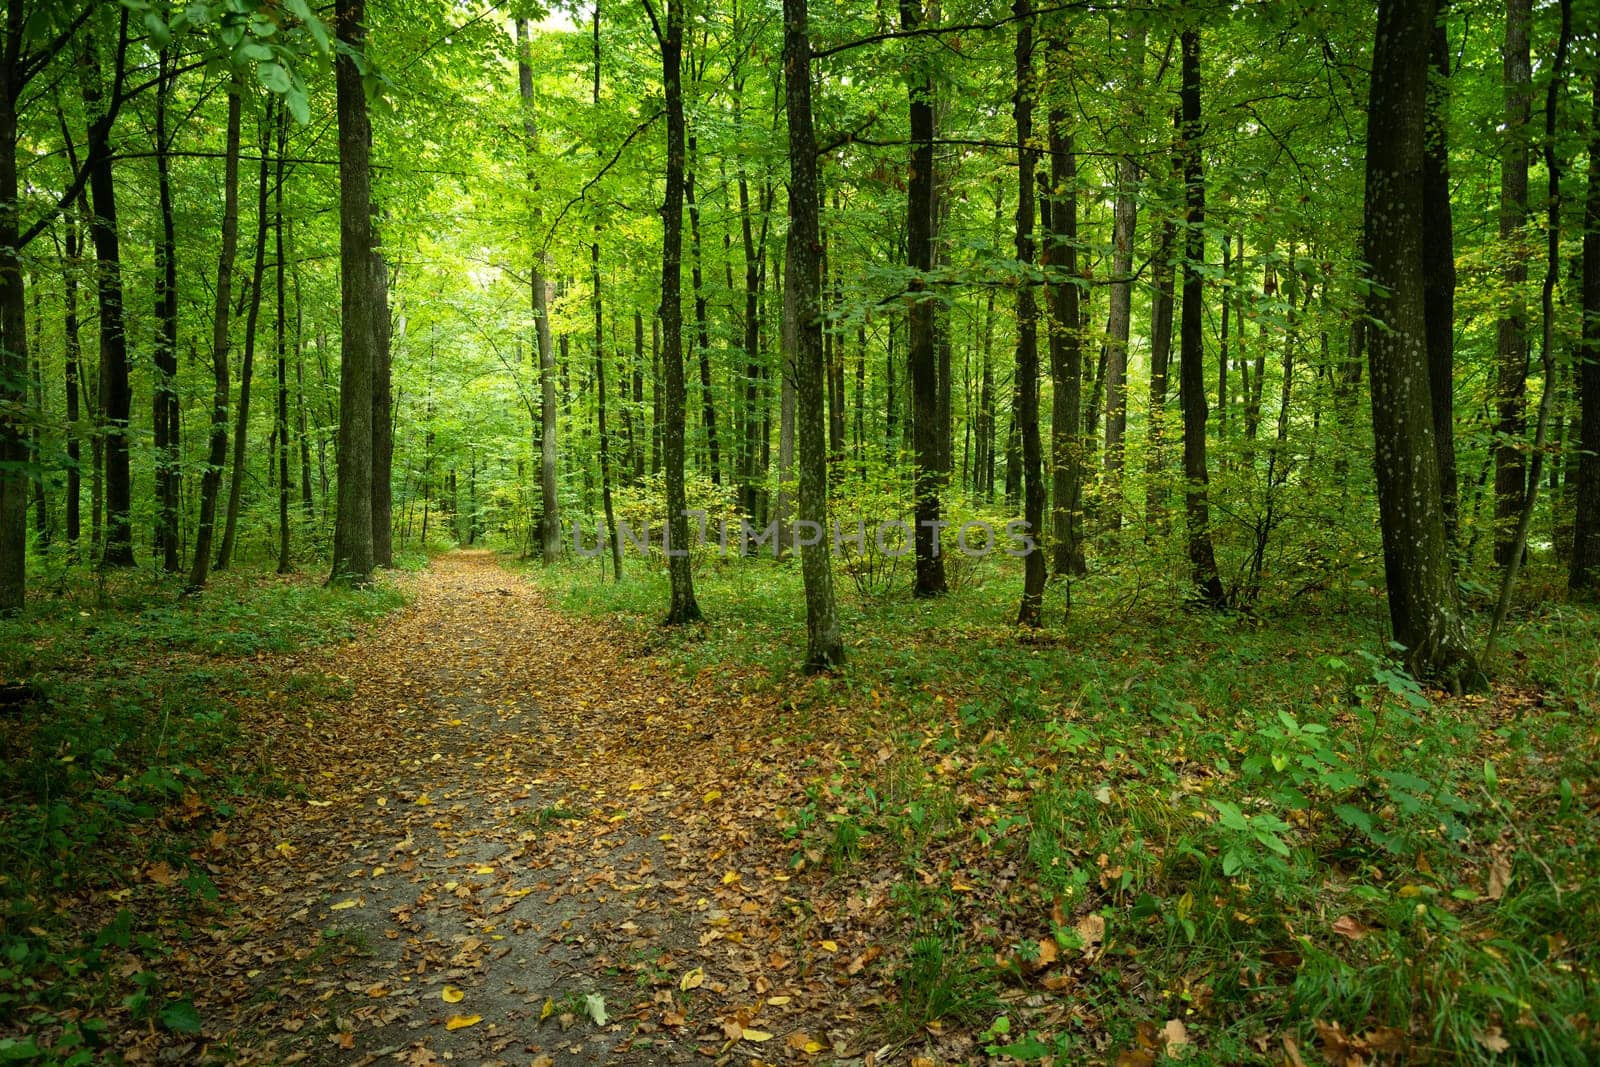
{"points": [[1512, 338], [165, 355], [1422, 593], [307, 504], [114, 385], [217, 449], [1066, 347], [241, 426], [1120, 316], [73, 372], [1584, 576], [1191, 372], [600, 348], [544, 354], [1439, 266], [1547, 351], [1030, 610], [13, 326], [1155, 493], [382, 409], [803, 307], [702, 324], [352, 530], [684, 608], [922, 366], [280, 329]]}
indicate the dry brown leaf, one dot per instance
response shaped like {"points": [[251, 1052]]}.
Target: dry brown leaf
{"points": [[1499, 876], [1347, 926]]}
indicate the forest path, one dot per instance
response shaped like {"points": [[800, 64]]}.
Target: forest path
{"points": [[509, 822]]}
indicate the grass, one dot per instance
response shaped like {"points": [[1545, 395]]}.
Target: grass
{"points": [[125, 755], [1283, 833]]}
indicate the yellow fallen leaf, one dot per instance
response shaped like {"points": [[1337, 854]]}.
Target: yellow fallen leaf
{"points": [[692, 979], [778, 1002], [451, 995], [342, 905], [484, 870], [423, 798], [548, 1010], [383, 802], [830, 946], [284, 848], [730, 878], [757, 1035], [715, 794], [461, 1022]]}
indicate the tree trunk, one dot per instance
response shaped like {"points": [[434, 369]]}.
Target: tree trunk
{"points": [[1439, 266], [684, 608], [114, 385], [1155, 492], [1191, 372], [1585, 571], [73, 372], [13, 324], [1512, 337], [217, 449], [803, 307], [165, 354], [1422, 593], [702, 325], [382, 409], [1120, 315], [1030, 610], [352, 530], [1066, 347], [241, 426], [922, 367], [282, 338]]}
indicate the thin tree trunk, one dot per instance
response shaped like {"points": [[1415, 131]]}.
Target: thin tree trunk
{"points": [[921, 360], [217, 450], [1030, 610], [1155, 493], [281, 331], [803, 307], [165, 354], [1547, 351], [382, 408], [1511, 364], [13, 327], [1066, 347], [1584, 575], [702, 325], [1191, 380], [352, 530], [684, 608], [1120, 315], [241, 426], [599, 350], [74, 356], [114, 384]]}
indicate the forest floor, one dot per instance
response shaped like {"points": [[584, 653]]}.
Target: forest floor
{"points": [[516, 844], [487, 816]]}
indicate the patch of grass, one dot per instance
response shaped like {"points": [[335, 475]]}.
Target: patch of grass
{"points": [[1280, 827], [128, 755]]}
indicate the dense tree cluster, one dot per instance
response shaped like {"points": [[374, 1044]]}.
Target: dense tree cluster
{"points": [[1127, 272]]}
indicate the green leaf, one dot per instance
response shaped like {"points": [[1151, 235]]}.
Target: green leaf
{"points": [[296, 99], [160, 35], [274, 77], [302, 11], [14, 1051], [181, 1017]]}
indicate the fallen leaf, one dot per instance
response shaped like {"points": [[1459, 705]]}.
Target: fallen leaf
{"points": [[1499, 876], [1492, 1039], [342, 905], [451, 995], [594, 1005], [461, 1022], [1175, 1036], [692, 980], [1347, 926], [830, 946], [1092, 930], [757, 1035]]}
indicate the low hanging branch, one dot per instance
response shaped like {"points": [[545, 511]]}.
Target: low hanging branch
{"points": [[1547, 357]]}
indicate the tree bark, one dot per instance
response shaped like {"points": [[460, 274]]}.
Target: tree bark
{"points": [[1155, 492], [114, 384], [1422, 593], [1119, 321], [1030, 610], [1439, 266], [922, 367], [165, 354], [217, 449], [281, 332], [1066, 347], [241, 427], [702, 324], [1511, 364], [803, 305], [683, 608], [1584, 576], [13, 326], [73, 373], [352, 529], [1191, 371]]}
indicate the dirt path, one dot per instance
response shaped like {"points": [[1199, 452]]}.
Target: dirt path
{"points": [[517, 844]]}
